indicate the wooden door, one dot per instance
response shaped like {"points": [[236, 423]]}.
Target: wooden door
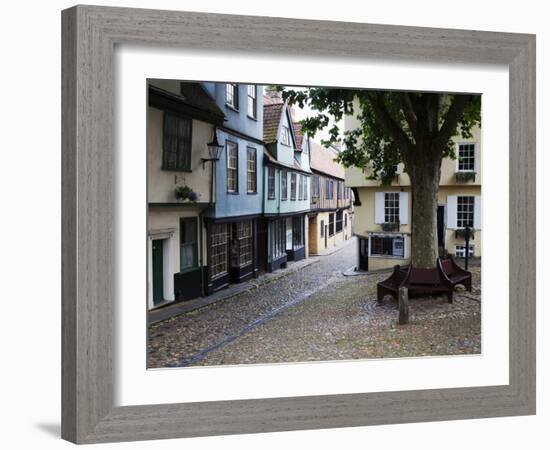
{"points": [[262, 245], [363, 254], [158, 281], [312, 242], [441, 226]]}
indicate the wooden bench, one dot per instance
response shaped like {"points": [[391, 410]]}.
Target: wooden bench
{"points": [[456, 274], [417, 281], [391, 285]]}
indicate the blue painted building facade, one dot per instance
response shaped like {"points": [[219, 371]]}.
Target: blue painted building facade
{"points": [[231, 222], [216, 222], [286, 188]]}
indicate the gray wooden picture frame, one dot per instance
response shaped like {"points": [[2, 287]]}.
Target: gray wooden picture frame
{"points": [[90, 34]]}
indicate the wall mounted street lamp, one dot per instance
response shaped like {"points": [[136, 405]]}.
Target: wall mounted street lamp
{"points": [[214, 153], [214, 150]]}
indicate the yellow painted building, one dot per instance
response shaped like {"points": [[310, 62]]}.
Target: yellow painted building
{"points": [[382, 214], [330, 215]]}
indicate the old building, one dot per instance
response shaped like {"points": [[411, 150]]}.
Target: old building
{"points": [[181, 121], [204, 186], [287, 174], [330, 201], [232, 221], [382, 215]]}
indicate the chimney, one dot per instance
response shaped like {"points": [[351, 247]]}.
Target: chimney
{"points": [[272, 96]]}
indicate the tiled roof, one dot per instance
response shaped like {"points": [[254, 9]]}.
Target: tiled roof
{"points": [[195, 95], [299, 135], [269, 158], [322, 160], [272, 117], [192, 100]]}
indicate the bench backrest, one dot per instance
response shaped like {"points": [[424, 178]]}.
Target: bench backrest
{"points": [[447, 266], [424, 276]]}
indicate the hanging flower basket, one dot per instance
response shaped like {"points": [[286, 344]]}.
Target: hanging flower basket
{"points": [[185, 193], [390, 226]]}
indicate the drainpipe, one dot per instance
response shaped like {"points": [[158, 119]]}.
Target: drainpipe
{"points": [[279, 199], [201, 223], [201, 239]]}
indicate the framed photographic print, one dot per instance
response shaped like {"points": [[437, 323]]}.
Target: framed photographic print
{"points": [[287, 232]]}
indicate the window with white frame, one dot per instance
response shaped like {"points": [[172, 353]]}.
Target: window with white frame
{"points": [[218, 250], [251, 169], [188, 243], [278, 239], [329, 186], [315, 187], [466, 157], [293, 186], [305, 187], [252, 104], [241, 243], [284, 185], [271, 183], [460, 251], [285, 135], [298, 232], [382, 245], [465, 211], [232, 95], [300, 187], [391, 207], [232, 166]]}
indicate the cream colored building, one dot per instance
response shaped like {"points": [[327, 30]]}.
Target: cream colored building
{"points": [[184, 115], [382, 214], [330, 215]]}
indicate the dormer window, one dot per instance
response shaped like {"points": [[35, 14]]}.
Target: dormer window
{"points": [[232, 95], [285, 135]]}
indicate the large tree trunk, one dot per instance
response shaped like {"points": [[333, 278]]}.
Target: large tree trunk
{"points": [[424, 171]]}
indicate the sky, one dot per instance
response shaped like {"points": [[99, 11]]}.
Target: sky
{"points": [[301, 114]]}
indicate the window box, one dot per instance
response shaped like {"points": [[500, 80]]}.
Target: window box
{"points": [[388, 179], [390, 226], [464, 177]]}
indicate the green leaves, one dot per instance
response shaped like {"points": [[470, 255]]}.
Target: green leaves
{"points": [[389, 127]]}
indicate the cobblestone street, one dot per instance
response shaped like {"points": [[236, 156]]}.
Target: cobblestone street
{"points": [[183, 339], [314, 314]]}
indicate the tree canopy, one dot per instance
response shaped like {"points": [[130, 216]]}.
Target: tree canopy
{"points": [[392, 126]]}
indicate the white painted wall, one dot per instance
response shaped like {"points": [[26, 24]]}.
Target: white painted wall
{"points": [[161, 183]]}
